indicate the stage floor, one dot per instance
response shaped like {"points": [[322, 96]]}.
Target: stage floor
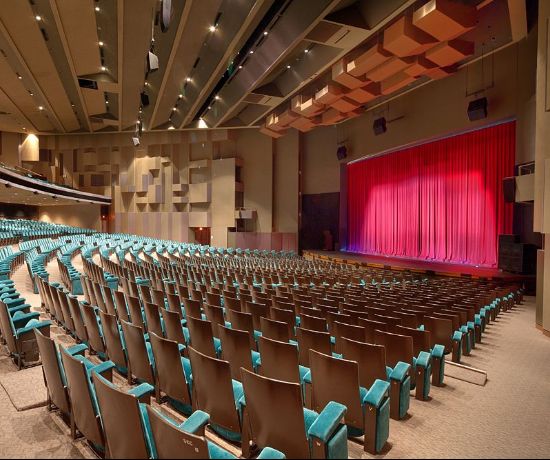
{"points": [[419, 266]]}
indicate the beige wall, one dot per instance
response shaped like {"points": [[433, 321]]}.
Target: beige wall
{"points": [[437, 109], [83, 215], [9, 148], [157, 213]]}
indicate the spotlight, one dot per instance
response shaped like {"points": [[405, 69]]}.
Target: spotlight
{"points": [[251, 51], [240, 67], [19, 77], [180, 96], [100, 43], [379, 126], [103, 68], [38, 18], [212, 28], [217, 98], [97, 9], [171, 127], [288, 66], [266, 32], [152, 62], [188, 79], [40, 108], [306, 51]]}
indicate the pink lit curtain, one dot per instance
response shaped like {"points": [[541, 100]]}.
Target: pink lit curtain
{"points": [[441, 201]]}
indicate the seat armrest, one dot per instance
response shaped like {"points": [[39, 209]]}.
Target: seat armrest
{"points": [[307, 378], [438, 351], [378, 391], [269, 453], [457, 336], [196, 423], [103, 367], [326, 424], [32, 325], [142, 390], [77, 349], [423, 359], [400, 371]]}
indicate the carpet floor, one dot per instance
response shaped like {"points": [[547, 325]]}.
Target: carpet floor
{"points": [[507, 418]]}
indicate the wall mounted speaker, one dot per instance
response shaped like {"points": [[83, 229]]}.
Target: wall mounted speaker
{"points": [[509, 189], [342, 153], [379, 126], [165, 14], [477, 110]]}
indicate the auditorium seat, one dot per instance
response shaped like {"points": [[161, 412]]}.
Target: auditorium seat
{"points": [[368, 408], [296, 431], [236, 350]]}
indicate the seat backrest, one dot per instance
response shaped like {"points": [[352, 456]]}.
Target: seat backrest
{"points": [[52, 372], [421, 339], [136, 350], [113, 344], [173, 442], [82, 403], [213, 390], [343, 330], [64, 303], [312, 340], [98, 295], [441, 332], [276, 422], [370, 327], [398, 347], [279, 360], [236, 350], [169, 369], [370, 358], [200, 336], [121, 308], [157, 297], [286, 316], [213, 299], [313, 323], [76, 314], [275, 330], [121, 417], [92, 329], [172, 326], [109, 300], [174, 303], [152, 317], [242, 322], [336, 380], [258, 311], [232, 303], [136, 312], [215, 315], [145, 293], [192, 308]]}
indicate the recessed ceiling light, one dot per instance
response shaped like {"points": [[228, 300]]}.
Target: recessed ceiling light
{"points": [[266, 32], [212, 28], [188, 79], [40, 108], [217, 98], [171, 127], [251, 51], [103, 68], [174, 109], [97, 8], [38, 18], [306, 51], [107, 102], [209, 107], [240, 67], [288, 66], [31, 93], [180, 96], [100, 43], [19, 77]]}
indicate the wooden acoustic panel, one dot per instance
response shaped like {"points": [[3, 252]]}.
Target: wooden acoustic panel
{"points": [[341, 76], [451, 52], [368, 60], [328, 94], [403, 39], [389, 68], [445, 19]]}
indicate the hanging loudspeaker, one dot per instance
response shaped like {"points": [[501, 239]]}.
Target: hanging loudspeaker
{"points": [[165, 14]]}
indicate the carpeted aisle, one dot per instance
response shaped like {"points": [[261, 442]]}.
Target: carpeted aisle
{"points": [[505, 419]]}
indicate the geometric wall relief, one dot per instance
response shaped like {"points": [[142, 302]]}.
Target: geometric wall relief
{"points": [[423, 43]]}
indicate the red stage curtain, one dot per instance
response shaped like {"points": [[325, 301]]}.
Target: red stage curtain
{"points": [[440, 201]]}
